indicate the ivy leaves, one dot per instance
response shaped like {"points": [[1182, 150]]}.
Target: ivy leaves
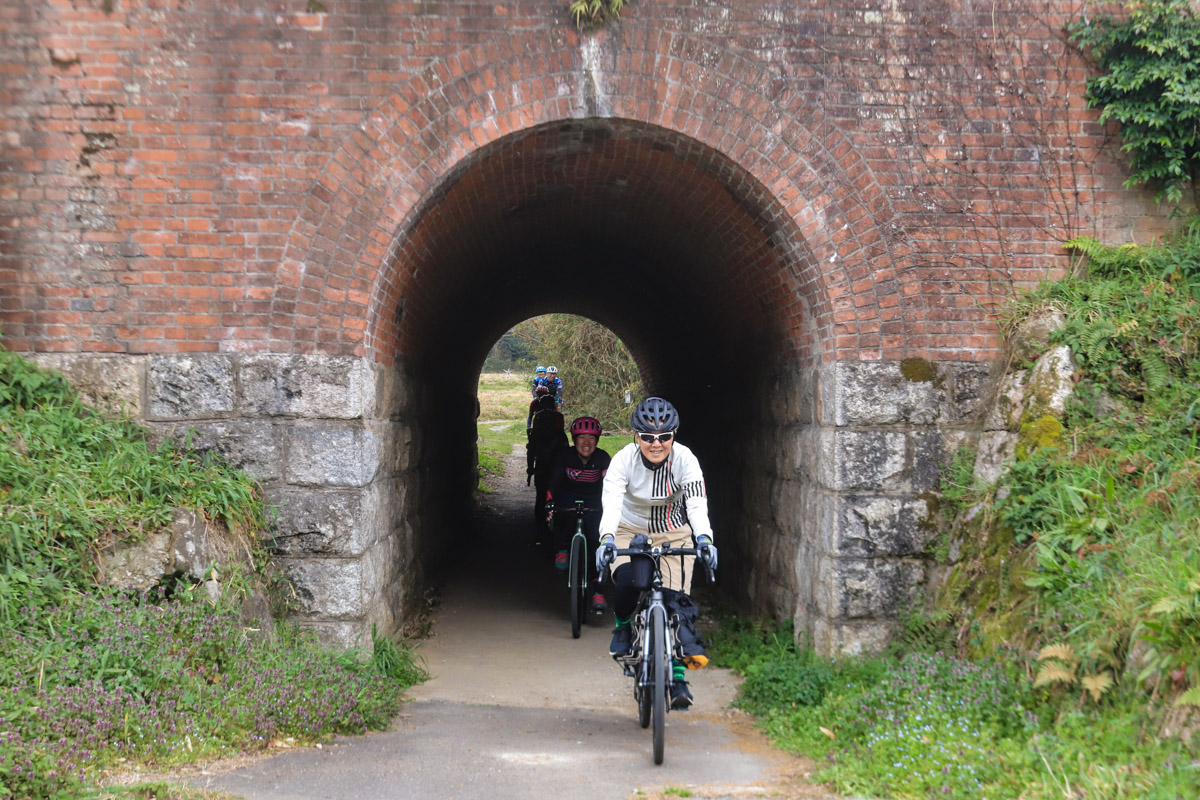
{"points": [[1151, 86]]}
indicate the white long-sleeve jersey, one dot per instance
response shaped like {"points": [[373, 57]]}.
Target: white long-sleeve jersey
{"points": [[657, 500]]}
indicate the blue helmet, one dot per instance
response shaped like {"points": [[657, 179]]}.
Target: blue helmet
{"points": [[540, 368]]}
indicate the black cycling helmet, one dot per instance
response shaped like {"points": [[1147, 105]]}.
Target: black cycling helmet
{"points": [[654, 415]]}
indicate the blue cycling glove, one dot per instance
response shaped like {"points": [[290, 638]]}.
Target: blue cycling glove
{"points": [[606, 553]]}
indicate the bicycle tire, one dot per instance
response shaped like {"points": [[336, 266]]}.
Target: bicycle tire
{"points": [[644, 696], [577, 587], [659, 666]]}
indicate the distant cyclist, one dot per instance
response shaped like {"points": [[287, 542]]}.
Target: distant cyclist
{"points": [[578, 474], [539, 379], [538, 394], [655, 487], [546, 439], [555, 384]]}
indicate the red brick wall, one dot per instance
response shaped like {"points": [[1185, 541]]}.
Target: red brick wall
{"points": [[377, 177]]}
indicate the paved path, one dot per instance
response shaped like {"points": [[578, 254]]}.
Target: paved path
{"points": [[516, 708]]}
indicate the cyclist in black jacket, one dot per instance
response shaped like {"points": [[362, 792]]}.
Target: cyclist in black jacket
{"points": [[578, 474]]}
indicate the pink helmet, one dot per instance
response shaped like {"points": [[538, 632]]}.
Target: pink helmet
{"points": [[585, 426]]}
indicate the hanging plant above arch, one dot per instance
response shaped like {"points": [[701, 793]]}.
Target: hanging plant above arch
{"points": [[592, 14]]}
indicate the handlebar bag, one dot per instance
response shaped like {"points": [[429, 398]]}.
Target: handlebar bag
{"points": [[642, 568]]}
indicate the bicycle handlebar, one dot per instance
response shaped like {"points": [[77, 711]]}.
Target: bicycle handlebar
{"points": [[658, 552]]}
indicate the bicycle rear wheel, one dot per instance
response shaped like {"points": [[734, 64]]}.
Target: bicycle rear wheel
{"points": [[578, 585], [659, 665]]}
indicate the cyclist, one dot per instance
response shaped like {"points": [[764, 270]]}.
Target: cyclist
{"points": [[554, 383], [578, 474], [539, 379], [546, 438], [655, 487], [538, 393]]}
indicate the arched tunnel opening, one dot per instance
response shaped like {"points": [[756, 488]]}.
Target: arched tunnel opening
{"points": [[687, 258]]}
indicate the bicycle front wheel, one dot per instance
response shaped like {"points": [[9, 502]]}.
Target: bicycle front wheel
{"points": [[659, 666], [578, 585]]}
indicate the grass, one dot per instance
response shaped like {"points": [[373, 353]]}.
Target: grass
{"points": [[504, 396], [919, 725], [1062, 657], [92, 676], [504, 402]]}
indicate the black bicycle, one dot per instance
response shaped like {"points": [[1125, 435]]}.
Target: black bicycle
{"points": [[649, 660], [577, 571]]}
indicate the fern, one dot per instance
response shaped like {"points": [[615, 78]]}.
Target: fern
{"points": [[1127, 327], [1155, 370], [1104, 260], [1094, 339], [1086, 245], [1059, 652], [1054, 673], [1097, 685], [1189, 698]]}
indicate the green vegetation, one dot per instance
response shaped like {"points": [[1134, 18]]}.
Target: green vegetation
{"points": [[1062, 657], [1149, 57], [591, 14], [595, 366], [92, 677], [504, 404]]}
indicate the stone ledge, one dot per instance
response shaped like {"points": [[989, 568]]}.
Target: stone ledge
{"points": [[313, 386], [342, 522], [330, 454], [189, 387], [866, 588], [866, 526]]}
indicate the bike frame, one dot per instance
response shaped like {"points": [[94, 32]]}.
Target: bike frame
{"points": [[653, 680], [578, 540], [636, 665]]}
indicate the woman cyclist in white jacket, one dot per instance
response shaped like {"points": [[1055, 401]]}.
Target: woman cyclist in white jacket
{"points": [[655, 487]]}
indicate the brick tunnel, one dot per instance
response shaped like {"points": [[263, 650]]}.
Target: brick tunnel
{"points": [[665, 241], [298, 233]]}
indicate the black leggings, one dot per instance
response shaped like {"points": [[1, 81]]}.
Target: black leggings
{"points": [[624, 594]]}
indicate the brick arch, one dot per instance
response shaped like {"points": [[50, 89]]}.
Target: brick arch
{"points": [[337, 279]]}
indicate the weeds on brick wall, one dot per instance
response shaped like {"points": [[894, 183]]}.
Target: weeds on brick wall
{"points": [[92, 677], [592, 14]]}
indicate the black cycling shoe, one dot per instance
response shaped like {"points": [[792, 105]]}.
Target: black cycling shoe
{"points": [[622, 641], [681, 696]]}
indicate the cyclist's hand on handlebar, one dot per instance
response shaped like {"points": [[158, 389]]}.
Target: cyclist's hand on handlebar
{"points": [[606, 553], [708, 551]]}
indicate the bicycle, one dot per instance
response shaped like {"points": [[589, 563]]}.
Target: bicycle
{"points": [[577, 571], [649, 661]]}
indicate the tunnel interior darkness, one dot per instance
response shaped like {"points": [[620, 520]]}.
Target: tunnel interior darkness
{"points": [[684, 255]]}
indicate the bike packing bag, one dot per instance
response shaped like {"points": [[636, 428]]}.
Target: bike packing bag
{"points": [[683, 613]]}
